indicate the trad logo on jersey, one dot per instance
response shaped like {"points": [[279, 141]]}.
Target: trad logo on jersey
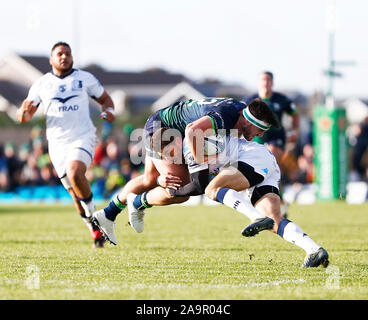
{"points": [[63, 108], [68, 108]]}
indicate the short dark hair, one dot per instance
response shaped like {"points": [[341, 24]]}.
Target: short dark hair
{"points": [[60, 43], [269, 73], [262, 111]]}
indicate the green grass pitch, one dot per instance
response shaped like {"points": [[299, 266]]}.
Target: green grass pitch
{"points": [[184, 253]]}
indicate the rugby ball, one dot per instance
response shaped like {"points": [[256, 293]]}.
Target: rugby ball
{"points": [[213, 145]]}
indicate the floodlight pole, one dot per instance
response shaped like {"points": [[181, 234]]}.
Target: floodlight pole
{"points": [[331, 25], [331, 72], [330, 101]]}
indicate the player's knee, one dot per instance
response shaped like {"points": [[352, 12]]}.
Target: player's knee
{"points": [[73, 174], [211, 192], [76, 171]]}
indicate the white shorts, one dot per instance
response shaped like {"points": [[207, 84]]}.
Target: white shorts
{"points": [[62, 153], [264, 163]]}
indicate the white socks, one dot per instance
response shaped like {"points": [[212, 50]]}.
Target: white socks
{"points": [[89, 207], [287, 229], [235, 200], [291, 232]]}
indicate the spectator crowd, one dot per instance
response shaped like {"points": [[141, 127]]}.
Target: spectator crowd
{"points": [[29, 164]]}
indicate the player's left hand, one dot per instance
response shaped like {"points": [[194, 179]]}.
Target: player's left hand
{"points": [[169, 181]]}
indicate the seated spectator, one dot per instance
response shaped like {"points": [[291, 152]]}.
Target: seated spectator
{"points": [[38, 147], [23, 153], [306, 166], [47, 173], [13, 165], [112, 155], [30, 174]]}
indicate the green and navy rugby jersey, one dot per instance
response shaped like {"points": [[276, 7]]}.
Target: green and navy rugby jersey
{"points": [[223, 112]]}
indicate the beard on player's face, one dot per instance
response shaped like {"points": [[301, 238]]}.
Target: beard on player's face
{"points": [[250, 131], [64, 66]]}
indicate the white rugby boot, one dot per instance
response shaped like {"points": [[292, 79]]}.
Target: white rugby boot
{"points": [[106, 226], [136, 217]]}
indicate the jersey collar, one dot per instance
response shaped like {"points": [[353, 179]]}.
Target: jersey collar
{"points": [[62, 77]]}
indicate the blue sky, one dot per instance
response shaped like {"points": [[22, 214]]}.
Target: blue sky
{"points": [[231, 40]]}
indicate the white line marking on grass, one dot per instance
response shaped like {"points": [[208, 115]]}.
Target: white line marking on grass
{"points": [[143, 286], [112, 287]]}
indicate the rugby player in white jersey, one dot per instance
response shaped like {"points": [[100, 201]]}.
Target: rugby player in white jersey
{"points": [[64, 93]]}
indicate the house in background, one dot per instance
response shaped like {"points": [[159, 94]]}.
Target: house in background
{"points": [[135, 91], [11, 96], [16, 77]]}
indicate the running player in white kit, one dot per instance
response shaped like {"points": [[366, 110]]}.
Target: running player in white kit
{"points": [[64, 93]]}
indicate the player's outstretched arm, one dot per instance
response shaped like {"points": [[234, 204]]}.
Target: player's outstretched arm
{"points": [[107, 106], [26, 111]]}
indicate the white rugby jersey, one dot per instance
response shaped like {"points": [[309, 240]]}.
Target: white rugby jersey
{"points": [[66, 105], [249, 152]]}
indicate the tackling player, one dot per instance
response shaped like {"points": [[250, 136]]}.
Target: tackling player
{"points": [[194, 119], [64, 93]]}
